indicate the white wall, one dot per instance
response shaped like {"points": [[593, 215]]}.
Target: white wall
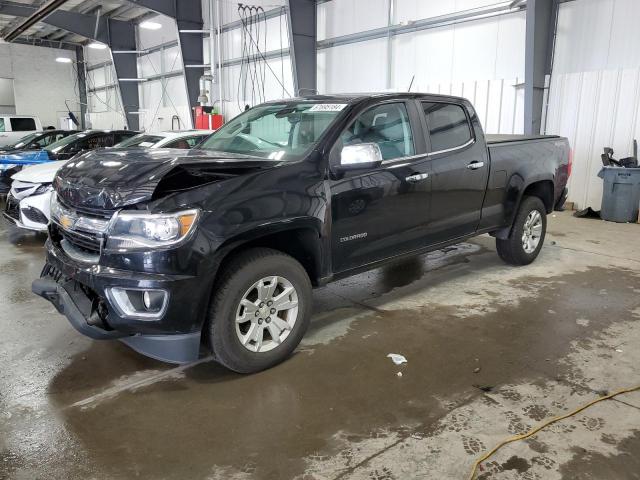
{"points": [[482, 59], [594, 95], [41, 85]]}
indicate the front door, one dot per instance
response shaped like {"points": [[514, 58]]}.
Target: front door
{"points": [[459, 168], [381, 212]]}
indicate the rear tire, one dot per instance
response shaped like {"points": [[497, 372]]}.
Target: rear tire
{"points": [[527, 234], [249, 282]]}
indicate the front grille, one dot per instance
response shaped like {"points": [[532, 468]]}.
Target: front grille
{"points": [[35, 215], [51, 271], [89, 212], [87, 241], [12, 208]]}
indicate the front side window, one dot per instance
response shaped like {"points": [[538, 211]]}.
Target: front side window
{"points": [[57, 146], [179, 143], [22, 124], [98, 141], [386, 125], [2, 125], [193, 141], [448, 125], [281, 131]]}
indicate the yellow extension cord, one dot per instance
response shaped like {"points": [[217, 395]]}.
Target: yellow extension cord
{"points": [[546, 424]]}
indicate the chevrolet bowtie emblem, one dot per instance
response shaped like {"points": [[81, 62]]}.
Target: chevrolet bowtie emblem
{"points": [[66, 221]]}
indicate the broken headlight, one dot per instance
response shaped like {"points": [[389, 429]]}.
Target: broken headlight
{"points": [[143, 231]]}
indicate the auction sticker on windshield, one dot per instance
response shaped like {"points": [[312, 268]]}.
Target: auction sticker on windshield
{"points": [[327, 107]]}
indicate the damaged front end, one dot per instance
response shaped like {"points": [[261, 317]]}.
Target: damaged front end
{"points": [[124, 253]]}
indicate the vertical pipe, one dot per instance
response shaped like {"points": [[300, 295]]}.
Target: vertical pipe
{"points": [[212, 53], [219, 51], [390, 15]]}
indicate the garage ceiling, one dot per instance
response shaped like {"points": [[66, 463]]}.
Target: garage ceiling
{"points": [[119, 10]]}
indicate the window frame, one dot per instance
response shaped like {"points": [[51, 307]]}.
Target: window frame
{"points": [[415, 122], [427, 131]]}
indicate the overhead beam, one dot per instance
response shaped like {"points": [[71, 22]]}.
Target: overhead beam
{"points": [[302, 45], [540, 30], [43, 42], [37, 16]]}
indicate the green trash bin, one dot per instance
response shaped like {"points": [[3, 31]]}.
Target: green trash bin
{"points": [[620, 194]]}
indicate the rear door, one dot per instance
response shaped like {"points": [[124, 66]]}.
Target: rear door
{"points": [[381, 212], [459, 167]]}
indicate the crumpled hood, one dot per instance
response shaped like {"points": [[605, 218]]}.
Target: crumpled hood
{"points": [[113, 178], [42, 173]]}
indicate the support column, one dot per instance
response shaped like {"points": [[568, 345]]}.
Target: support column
{"points": [[189, 17], [302, 45], [122, 36], [540, 26]]}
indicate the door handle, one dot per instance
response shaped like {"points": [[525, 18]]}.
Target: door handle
{"points": [[475, 165], [416, 177]]}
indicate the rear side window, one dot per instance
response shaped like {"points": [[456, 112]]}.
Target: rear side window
{"points": [[179, 143], [448, 125], [121, 136], [2, 125], [22, 124]]}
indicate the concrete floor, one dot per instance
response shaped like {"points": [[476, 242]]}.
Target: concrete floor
{"points": [[492, 351]]}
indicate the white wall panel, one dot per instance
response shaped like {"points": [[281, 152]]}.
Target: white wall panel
{"points": [[482, 60], [40, 84], [357, 67], [594, 94], [275, 29], [152, 38], [234, 103], [229, 10], [407, 10], [341, 17]]}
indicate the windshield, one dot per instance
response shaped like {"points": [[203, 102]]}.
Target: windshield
{"points": [[284, 131], [26, 140], [140, 141], [55, 147]]}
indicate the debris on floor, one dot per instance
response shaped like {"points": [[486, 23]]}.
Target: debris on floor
{"points": [[397, 358]]}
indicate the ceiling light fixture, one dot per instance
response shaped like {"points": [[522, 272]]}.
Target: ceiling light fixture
{"points": [[97, 45], [63, 60], [150, 25]]}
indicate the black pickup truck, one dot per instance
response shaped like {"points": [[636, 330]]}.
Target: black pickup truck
{"points": [[176, 253]]}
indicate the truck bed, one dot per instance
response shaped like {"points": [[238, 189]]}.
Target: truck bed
{"points": [[503, 138]]}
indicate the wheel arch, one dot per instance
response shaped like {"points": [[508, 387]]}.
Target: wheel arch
{"points": [[300, 239], [541, 187]]}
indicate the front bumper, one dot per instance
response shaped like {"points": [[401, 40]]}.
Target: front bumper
{"points": [[78, 291], [29, 213]]}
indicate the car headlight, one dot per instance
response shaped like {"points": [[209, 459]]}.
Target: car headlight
{"points": [[54, 207], [44, 188], [135, 231]]}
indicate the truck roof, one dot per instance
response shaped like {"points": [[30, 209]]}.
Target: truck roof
{"points": [[356, 97]]}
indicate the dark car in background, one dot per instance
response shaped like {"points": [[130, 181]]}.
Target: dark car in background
{"points": [[37, 140], [63, 149]]}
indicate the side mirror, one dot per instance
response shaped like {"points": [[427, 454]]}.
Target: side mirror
{"points": [[362, 155]]}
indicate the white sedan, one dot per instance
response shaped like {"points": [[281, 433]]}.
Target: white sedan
{"points": [[28, 201]]}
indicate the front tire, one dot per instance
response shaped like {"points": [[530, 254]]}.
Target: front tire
{"points": [[527, 235], [260, 310]]}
